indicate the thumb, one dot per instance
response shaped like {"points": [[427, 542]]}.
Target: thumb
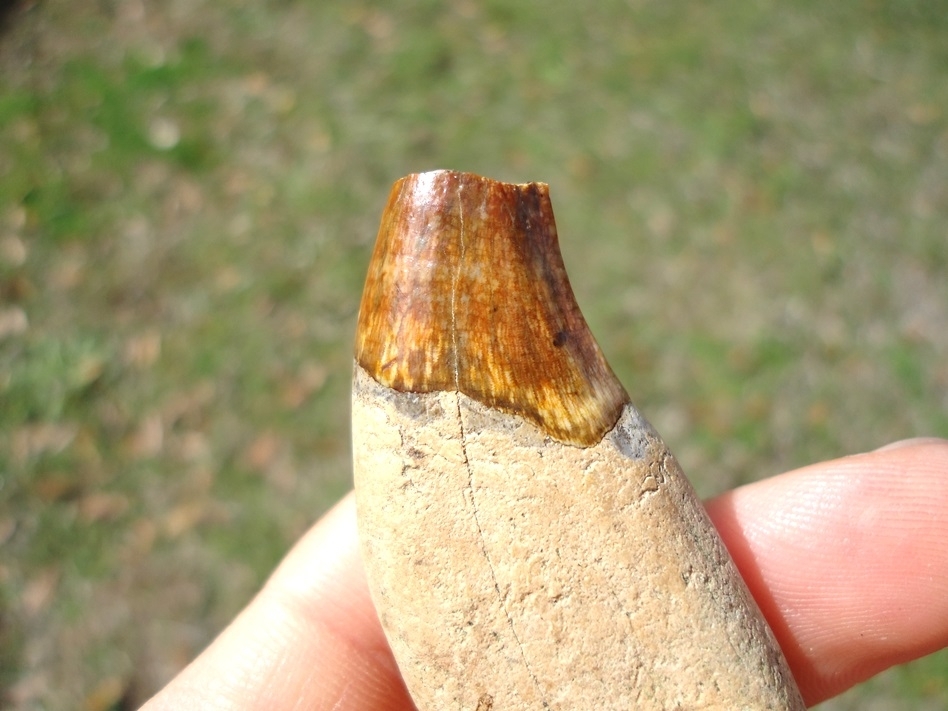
{"points": [[309, 640]]}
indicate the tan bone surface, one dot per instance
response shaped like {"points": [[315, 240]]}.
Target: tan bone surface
{"points": [[513, 570]]}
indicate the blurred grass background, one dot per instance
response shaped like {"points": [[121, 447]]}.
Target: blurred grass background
{"points": [[752, 200]]}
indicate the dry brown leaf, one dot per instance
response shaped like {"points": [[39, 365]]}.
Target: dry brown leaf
{"points": [[262, 451], [106, 694], [192, 446], [46, 438], [102, 506], [148, 440], [183, 517], [13, 322], [28, 689], [307, 382], [142, 351], [140, 538], [39, 592], [189, 402], [13, 250], [56, 487], [68, 273]]}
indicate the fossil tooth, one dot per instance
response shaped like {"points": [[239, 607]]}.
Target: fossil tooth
{"points": [[529, 540]]}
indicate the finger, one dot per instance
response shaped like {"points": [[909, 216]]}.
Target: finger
{"points": [[309, 640], [847, 560]]}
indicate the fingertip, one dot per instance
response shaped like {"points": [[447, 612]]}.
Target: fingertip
{"points": [[847, 561]]}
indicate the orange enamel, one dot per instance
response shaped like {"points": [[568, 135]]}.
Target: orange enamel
{"points": [[467, 291]]}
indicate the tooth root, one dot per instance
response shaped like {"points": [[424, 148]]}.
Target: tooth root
{"points": [[529, 540]]}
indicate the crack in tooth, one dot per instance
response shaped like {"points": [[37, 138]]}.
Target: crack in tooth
{"points": [[467, 462]]}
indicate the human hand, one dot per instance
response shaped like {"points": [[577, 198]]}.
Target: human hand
{"points": [[847, 559]]}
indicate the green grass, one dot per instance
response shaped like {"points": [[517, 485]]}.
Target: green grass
{"points": [[752, 201]]}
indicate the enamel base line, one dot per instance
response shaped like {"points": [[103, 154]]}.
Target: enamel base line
{"points": [[590, 578]]}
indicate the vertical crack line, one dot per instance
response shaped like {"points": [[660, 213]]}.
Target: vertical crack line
{"points": [[467, 462]]}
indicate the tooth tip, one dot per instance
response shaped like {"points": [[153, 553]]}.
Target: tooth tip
{"points": [[467, 291]]}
